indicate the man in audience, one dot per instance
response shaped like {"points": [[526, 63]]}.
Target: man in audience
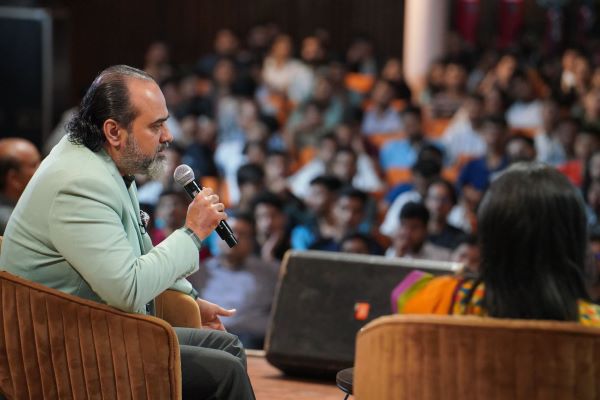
{"points": [[382, 117], [463, 139], [251, 181], [320, 198], [468, 254], [19, 159], [272, 235], [77, 228], [300, 181], [548, 147], [359, 243], [520, 148], [439, 201], [348, 213], [410, 239], [403, 153], [478, 171], [423, 173], [526, 111], [587, 142], [240, 280]]}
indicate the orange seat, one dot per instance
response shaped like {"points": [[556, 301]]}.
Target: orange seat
{"points": [[396, 176], [219, 187], [306, 155], [397, 104], [360, 83], [210, 182], [434, 128], [451, 172]]}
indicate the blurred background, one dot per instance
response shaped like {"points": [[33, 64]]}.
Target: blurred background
{"points": [[357, 126], [75, 40]]}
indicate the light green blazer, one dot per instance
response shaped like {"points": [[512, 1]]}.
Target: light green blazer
{"points": [[76, 228]]}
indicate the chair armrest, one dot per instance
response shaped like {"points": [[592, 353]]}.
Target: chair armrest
{"points": [[178, 309]]}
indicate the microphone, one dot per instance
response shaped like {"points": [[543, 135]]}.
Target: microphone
{"points": [[184, 176]]}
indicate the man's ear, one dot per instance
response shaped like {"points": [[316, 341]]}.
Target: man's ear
{"points": [[114, 133]]}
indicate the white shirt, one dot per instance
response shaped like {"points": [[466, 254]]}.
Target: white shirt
{"points": [[366, 178], [388, 121], [229, 158], [461, 139], [391, 222], [548, 149], [429, 251], [292, 77], [525, 115]]}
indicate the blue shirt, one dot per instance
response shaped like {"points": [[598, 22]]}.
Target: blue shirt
{"points": [[249, 289], [397, 154], [477, 173]]}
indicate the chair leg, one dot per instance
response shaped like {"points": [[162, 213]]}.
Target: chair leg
{"points": [[347, 395]]}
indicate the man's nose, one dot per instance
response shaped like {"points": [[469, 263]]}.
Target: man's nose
{"points": [[166, 135]]}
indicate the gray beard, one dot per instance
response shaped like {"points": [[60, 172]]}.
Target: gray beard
{"points": [[134, 162]]}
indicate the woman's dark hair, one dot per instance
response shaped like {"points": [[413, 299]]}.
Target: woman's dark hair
{"points": [[107, 97], [532, 231]]}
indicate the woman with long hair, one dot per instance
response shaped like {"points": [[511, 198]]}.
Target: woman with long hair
{"points": [[532, 232]]}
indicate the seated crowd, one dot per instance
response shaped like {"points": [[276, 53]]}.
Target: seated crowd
{"points": [[318, 150]]}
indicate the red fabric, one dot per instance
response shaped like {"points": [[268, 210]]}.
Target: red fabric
{"points": [[573, 170]]}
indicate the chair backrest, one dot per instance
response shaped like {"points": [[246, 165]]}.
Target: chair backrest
{"points": [[452, 357], [55, 346]]}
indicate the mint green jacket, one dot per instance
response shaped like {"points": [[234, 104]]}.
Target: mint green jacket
{"points": [[76, 228]]}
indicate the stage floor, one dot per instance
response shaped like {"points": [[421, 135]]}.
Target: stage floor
{"points": [[270, 384]]}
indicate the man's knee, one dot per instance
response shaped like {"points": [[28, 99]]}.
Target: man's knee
{"points": [[236, 348]]}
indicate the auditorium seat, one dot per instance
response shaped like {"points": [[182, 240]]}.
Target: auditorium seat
{"points": [[458, 357], [396, 176], [436, 127], [360, 83]]}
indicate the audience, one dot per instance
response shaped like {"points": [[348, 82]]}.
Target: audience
{"points": [[19, 159], [238, 279], [320, 198], [271, 226], [332, 150], [410, 239], [439, 200], [468, 254]]}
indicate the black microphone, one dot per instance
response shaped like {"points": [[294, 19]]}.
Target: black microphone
{"points": [[185, 177]]}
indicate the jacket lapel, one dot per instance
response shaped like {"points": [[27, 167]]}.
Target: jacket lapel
{"points": [[129, 199]]}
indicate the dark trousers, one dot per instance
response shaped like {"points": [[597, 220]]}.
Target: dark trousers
{"points": [[213, 365]]}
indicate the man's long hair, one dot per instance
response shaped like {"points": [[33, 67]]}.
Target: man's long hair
{"points": [[532, 229], [107, 97]]}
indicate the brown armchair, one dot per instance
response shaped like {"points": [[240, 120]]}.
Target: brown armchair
{"points": [[452, 357], [54, 345]]}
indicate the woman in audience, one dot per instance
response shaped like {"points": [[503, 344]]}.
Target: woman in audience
{"points": [[532, 232]]}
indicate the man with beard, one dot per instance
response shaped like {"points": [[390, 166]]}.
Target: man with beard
{"points": [[78, 227]]}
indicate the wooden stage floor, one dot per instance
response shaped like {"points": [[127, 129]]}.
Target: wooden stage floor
{"points": [[271, 384]]}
